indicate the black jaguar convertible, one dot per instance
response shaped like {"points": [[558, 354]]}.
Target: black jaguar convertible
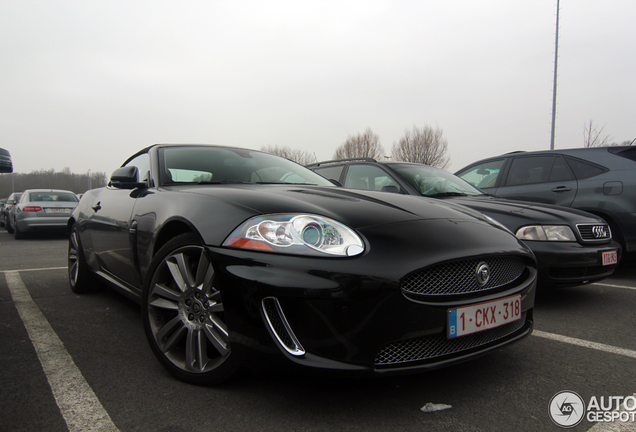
{"points": [[238, 256]]}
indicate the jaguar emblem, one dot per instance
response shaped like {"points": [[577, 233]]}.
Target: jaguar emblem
{"points": [[482, 274]]}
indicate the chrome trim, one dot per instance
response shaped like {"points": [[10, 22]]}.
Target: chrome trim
{"points": [[292, 346], [591, 232]]}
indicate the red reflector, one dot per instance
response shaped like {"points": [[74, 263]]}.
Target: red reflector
{"points": [[32, 209], [248, 244]]}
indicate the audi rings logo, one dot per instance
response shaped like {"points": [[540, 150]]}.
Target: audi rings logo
{"points": [[482, 274], [599, 231], [567, 409]]}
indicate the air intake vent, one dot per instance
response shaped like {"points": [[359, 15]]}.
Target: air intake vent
{"points": [[432, 347], [280, 327]]}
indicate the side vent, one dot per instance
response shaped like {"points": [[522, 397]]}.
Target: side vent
{"points": [[280, 327]]}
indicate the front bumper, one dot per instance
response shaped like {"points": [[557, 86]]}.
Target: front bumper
{"points": [[569, 263]]}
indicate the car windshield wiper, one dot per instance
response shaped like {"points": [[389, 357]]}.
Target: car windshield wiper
{"points": [[444, 194], [210, 182], [285, 183]]}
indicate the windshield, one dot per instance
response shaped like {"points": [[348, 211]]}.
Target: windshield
{"points": [[212, 165], [431, 181]]}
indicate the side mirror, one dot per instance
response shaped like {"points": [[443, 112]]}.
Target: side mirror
{"points": [[126, 178], [6, 166]]}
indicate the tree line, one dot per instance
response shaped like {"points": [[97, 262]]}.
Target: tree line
{"points": [[425, 145], [50, 179]]}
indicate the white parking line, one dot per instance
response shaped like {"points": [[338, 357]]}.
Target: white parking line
{"points": [[615, 286], [605, 426], [77, 402], [36, 269], [586, 344]]}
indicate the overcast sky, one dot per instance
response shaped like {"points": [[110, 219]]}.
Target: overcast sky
{"points": [[85, 84]]}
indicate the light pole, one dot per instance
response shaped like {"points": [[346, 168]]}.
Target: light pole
{"points": [[554, 85]]}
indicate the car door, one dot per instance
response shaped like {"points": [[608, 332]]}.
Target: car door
{"points": [[540, 178], [485, 176], [111, 228]]}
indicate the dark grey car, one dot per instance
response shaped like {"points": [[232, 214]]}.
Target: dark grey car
{"points": [[572, 247], [600, 180]]}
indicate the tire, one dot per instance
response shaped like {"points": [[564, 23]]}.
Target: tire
{"points": [[8, 226], [184, 315], [80, 278], [17, 234]]}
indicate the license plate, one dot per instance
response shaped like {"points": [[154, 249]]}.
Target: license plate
{"points": [[610, 258], [483, 316], [57, 210]]}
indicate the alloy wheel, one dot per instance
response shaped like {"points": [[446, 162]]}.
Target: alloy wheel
{"points": [[186, 313]]}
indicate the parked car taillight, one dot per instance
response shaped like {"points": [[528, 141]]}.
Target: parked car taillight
{"points": [[32, 209]]}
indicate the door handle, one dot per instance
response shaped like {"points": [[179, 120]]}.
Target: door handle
{"points": [[561, 189]]}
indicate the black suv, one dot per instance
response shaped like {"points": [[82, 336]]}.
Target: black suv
{"points": [[599, 180], [572, 247]]}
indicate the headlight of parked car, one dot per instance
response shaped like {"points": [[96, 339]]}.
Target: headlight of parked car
{"points": [[546, 233], [296, 234]]}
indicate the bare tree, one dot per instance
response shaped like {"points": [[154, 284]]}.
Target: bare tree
{"points": [[301, 157], [361, 145], [592, 136], [422, 145]]}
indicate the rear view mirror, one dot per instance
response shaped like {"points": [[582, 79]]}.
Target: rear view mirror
{"points": [[6, 166]]}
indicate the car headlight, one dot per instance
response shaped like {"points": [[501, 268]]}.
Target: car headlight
{"points": [[296, 234], [546, 233]]}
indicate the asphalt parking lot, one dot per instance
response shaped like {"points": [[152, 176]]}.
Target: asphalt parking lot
{"points": [[82, 363]]}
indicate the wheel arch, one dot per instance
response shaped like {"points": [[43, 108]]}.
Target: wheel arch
{"points": [[69, 224], [170, 230]]}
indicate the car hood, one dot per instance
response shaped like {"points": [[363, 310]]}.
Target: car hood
{"points": [[514, 214], [355, 208]]}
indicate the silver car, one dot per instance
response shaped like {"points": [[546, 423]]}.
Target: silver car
{"points": [[42, 210]]}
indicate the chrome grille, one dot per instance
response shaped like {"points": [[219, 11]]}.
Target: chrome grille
{"points": [[430, 347], [459, 277], [595, 232]]}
